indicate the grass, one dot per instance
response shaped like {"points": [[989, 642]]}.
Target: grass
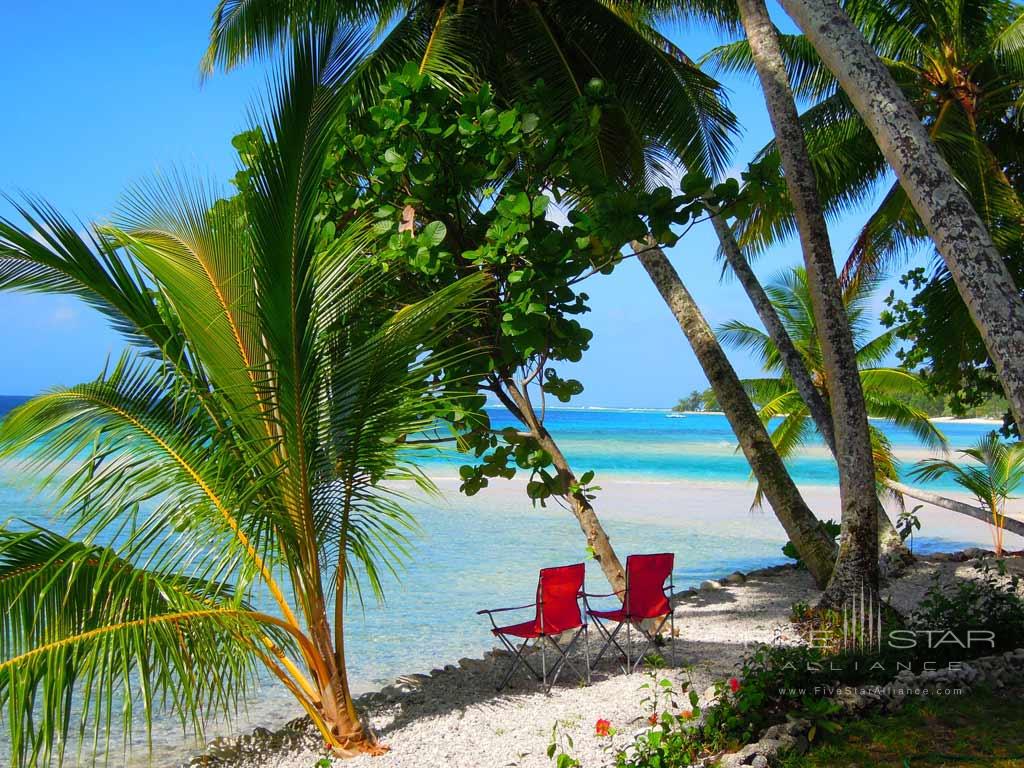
{"points": [[979, 728]]}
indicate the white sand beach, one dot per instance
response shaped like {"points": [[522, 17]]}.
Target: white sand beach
{"points": [[453, 716]]}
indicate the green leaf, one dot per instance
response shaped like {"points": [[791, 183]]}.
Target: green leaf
{"points": [[434, 233]]}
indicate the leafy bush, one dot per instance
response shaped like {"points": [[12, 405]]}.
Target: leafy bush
{"points": [[991, 603], [742, 706], [789, 549]]}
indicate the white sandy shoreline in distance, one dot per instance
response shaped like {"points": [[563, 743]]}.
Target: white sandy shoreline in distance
{"points": [[973, 420], [934, 419], [687, 503]]}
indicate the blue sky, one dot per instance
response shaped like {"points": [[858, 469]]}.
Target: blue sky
{"points": [[106, 94]]}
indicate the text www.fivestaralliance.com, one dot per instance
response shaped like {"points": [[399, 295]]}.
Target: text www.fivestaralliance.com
{"points": [[878, 690]]}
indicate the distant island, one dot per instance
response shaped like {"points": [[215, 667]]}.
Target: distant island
{"points": [[994, 407]]}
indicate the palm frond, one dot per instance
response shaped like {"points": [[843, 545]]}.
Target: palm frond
{"points": [[52, 256], [140, 642], [747, 337]]}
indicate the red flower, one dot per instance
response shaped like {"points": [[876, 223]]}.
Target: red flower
{"points": [[603, 727], [734, 684], [686, 714], [653, 719]]}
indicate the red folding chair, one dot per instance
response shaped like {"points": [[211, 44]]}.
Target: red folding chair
{"points": [[646, 596], [558, 611]]}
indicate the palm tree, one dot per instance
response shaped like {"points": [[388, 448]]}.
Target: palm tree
{"points": [[815, 546], [938, 93], [999, 475], [857, 564], [886, 389], [245, 449]]}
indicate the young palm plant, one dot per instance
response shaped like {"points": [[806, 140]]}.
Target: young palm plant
{"points": [[243, 453], [993, 483], [885, 388]]}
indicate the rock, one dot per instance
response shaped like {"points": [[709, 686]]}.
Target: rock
{"points": [[975, 553], [735, 577], [391, 693], [768, 747], [710, 585], [759, 761], [795, 725], [474, 665]]}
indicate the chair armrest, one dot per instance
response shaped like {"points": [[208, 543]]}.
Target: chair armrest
{"points": [[502, 610], [610, 594]]}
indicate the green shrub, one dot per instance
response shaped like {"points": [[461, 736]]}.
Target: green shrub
{"points": [[832, 528], [990, 603]]}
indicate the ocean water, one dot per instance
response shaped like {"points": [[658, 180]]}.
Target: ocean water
{"points": [[654, 445], [485, 551]]}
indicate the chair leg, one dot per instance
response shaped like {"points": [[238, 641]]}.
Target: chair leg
{"points": [[544, 660], [672, 619], [629, 647], [586, 649], [609, 640], [563, 659], [651, 637], [517, 660], [672, 635]]}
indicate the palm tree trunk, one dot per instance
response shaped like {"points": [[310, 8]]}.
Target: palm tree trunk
{"points": [[336, 703], [960, 235], [892, 551], [805, 531], [792, 359], [597, 539], [857, 564]]}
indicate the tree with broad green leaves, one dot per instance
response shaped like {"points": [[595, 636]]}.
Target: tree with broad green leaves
{"points": [[461, 185], [246, 448], [662, 111]]}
